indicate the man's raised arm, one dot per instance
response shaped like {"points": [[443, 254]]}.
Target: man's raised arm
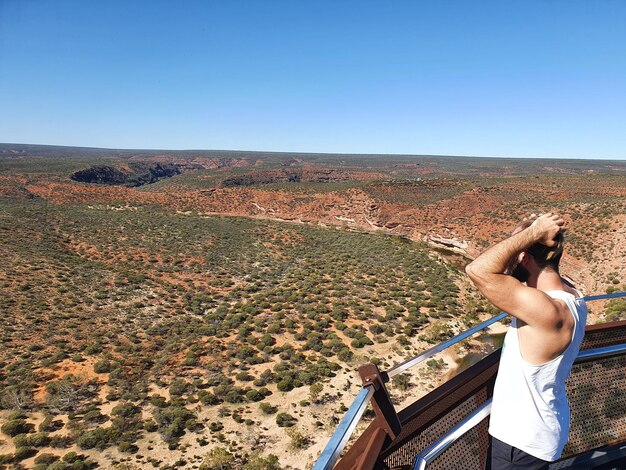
{"points": [[504, 291]]}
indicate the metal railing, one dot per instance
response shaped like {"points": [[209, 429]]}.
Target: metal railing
{"points": [[344, 431], [398, 369], [440, 446], [589, 298], [443, 346]]}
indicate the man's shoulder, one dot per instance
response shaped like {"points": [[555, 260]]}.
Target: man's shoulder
{"points": [[564, 316], [546, 310]]}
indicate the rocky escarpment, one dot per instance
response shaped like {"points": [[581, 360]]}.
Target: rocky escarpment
{"points": [[139, 172], [195, 163], [296, 175], [450, 244], [134, 174]]}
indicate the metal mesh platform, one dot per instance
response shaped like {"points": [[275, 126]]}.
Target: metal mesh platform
{"points": [[597, 395], [448, 428], [596, 390], [435, 414]]}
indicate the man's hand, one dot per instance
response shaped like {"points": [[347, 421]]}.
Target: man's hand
{"points": [[546, 227]]}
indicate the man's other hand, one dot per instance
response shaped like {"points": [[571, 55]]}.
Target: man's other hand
{"points": [[546, 227]]}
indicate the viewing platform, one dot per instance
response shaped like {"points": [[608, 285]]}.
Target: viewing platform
{"points": [[447, 428]]}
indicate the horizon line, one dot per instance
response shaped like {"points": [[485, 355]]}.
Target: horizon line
{"points": [[135, 149]]}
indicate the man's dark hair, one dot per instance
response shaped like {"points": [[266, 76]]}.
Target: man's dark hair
{"points": [[545, 256]]}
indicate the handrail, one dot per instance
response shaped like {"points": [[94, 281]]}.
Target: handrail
{"points": [[604, 296], [444, 442], [395, 370], [398, 369], [346, 427], [605, 351], [439, 446]]}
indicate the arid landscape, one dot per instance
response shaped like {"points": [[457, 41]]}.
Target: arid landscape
{"points": [[191, 309]]}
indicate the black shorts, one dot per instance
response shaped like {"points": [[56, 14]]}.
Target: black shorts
{"points": [[505, 457]]}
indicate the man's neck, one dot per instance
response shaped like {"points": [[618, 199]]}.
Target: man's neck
{"points": [[546, 280]]}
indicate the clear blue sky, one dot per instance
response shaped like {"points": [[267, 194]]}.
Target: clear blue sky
{"points": [[494, 78]]}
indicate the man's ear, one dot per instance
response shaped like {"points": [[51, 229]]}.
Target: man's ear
{"points": [[528, 261]]}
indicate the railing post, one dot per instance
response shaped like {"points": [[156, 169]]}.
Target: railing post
{"points": [[381, 402]]}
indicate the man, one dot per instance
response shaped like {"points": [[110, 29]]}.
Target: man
{"points": [[529, 422]]}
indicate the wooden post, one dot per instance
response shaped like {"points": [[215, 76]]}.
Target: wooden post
{"points": [[384, 409]]}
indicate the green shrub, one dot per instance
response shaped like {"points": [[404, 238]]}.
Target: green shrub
{"points": [[285, 420], [150, 426], [254, 395], [22, 453], [129, 447], [402, 382], [258, 462], [315, 390], [60, 465], [125, 410], [215, 426], [61, 442], [208, 398], [172, 421], [39, 439], [298, 439], [102, 367], [268, 409], [178, 387], [94, 416], [14, 415], [218, 459], [16, 426], [244, 376], [49, 424], [158, 401], [72, 457], [285, 385], [99, 438], [46, 459], [615, 310]]}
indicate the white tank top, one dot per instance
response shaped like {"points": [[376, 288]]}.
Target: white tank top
{"points": [[530, 410]]}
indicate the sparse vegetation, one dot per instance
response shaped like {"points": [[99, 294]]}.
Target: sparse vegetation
{"points": [[133, 319], [615, 310]]}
